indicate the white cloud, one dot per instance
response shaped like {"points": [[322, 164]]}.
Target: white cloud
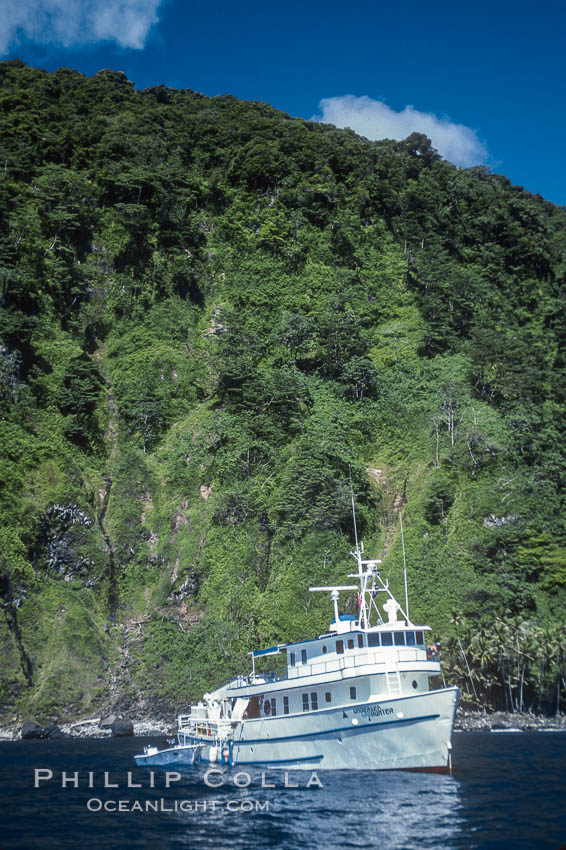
{"points": [[70, 23], [375, 120]]}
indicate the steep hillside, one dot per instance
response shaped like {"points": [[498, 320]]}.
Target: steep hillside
{"points": [[211, 313]]}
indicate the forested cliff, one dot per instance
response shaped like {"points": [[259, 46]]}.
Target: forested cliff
{"points": [[210, 313]]}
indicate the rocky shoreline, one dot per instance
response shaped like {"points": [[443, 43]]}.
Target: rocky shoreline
{"points": [[498, 721], [90, 728], [96, 727]]}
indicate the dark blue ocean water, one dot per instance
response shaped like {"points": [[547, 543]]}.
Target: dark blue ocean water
{"points": [[508, 791]]}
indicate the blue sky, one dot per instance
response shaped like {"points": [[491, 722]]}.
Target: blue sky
{"points": [[485, 81]]}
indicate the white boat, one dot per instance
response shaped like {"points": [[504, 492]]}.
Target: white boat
{"points": [[360, 696], [182, 753]]}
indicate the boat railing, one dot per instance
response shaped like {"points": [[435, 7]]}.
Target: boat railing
{"points": [[259, 679], [336, 665], [269, 676], [203, 726], [379, 660]]}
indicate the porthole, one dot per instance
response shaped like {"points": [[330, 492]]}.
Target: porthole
{"points": [[415, 683]]}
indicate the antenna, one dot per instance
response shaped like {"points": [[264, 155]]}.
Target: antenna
{"points": [[404, 565], [353, 509]]}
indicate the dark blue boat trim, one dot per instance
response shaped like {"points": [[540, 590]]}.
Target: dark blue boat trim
{"points": [[366, 727], [271, 650], [280, 761]]}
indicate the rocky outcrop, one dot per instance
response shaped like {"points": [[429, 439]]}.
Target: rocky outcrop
{"points": [[493, 521], [189, 587], [62, 539], [11, 602], [31, 730], [122, 728], [111, 571]]}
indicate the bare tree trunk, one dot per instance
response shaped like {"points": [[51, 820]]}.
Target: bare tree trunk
{"points": [[511, 700], [521, 688], [504, 683]]}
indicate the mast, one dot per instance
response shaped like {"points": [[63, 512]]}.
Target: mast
{"points": [[404, 565], [370, 584], [353, 510], [357, 553]]}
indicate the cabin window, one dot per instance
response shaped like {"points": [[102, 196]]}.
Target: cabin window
{"points": [[373, 639], [328, 696], [399, 639], [420, 638], [314, 701], [324, 650], [350, 643], [415, 684], [360, 641], [352, 693], [339, 647], [386, 639], [303, 656], [292, 659], [305, 702], [410, 636], [285, 705], [273, 706]]}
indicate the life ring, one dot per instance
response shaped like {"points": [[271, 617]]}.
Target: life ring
{"points": [[267, 707]]}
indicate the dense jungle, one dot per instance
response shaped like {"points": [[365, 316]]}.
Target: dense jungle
{"points": [[216, 319]]}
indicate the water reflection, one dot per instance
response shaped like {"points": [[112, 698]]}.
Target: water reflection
{"points": [[353, 809]]}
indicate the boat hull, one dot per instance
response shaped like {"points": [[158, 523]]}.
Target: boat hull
{"points": [[403, 733]]}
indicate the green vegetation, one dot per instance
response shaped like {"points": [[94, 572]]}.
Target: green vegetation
{"points": [[211, 313]]}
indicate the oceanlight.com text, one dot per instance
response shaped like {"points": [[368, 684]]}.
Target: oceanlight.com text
{"points": [[95, 804]]}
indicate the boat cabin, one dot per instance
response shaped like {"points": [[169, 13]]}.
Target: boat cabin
{"points": [[334, 651]]}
